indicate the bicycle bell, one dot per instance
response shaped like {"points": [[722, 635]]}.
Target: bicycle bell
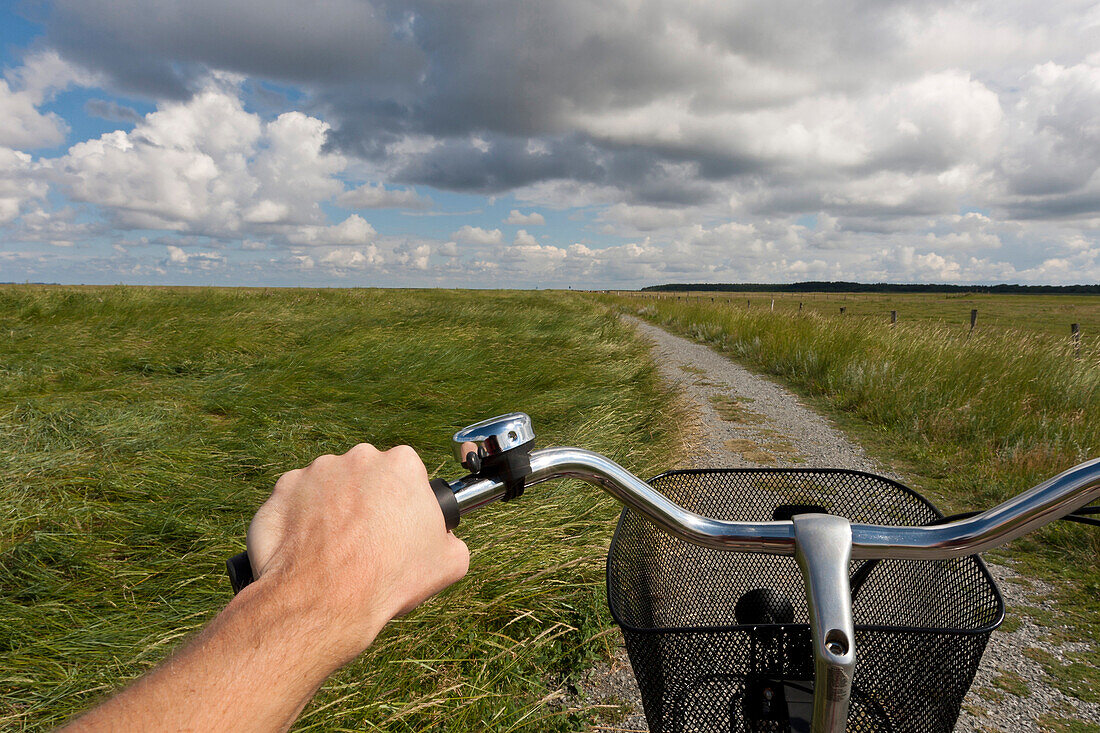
{"points": [[502, 449]]}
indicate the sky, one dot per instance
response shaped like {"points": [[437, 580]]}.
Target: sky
{"points": [[525, 143]]}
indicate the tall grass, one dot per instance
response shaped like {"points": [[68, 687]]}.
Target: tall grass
{"points": [[976, 420], [142, 427]]}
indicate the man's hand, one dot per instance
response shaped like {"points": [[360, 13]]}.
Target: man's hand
{"points": [[362, 535], [339, 549]]}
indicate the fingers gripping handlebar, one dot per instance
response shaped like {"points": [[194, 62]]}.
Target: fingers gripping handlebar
{"points": [[495, 451], [239, 567]]}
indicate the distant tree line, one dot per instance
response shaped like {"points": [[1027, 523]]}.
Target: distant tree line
{"points": [[850, 287]]}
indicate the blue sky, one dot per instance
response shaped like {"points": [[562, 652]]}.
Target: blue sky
{"points": [[525, 144]]}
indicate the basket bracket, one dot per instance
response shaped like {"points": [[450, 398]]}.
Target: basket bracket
{"points": [[823, 548]]}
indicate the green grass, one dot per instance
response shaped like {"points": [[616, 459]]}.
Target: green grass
{"points": [[1050, 315], [971, 421], [1011, 683], [1055, 724], [142, 427], [732, 409], [1075, 677]]}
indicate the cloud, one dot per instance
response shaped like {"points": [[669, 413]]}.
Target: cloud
{"points": [[518, 219], [185, 167], [112, 111], [59, 227], [1051, 164], [702, 141], [414, 256], [24, 89], [302, 262], [523, 239], [851, 109], [644, 218], [353, 230], [163, 48], [207, 166], [44, 73], [194, 260], [377, 196], [352, 259], [20, 183], [22, 125], [176, 255], [476, 235]]}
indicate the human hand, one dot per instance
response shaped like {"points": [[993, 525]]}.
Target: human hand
{"points": [[359, 538]]}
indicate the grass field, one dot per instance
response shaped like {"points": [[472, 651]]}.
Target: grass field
{"points": [[970, 420], [142, 427], [1051, 315]]}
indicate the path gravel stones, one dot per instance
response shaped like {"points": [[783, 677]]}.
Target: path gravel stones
{"points": [[744, 420]]}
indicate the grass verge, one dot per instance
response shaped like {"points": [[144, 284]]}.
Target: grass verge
{"points": [[142, 427]]}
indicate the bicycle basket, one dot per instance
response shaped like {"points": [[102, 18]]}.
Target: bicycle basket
{"points": [[719, 641]]}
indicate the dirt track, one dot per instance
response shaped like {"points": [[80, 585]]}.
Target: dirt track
{"points": [[746, 420]]}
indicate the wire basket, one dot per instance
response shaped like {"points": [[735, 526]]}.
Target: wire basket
{"points": [[720, 641]]}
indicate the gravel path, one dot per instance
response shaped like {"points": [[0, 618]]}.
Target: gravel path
{"points": [[745, 420]]}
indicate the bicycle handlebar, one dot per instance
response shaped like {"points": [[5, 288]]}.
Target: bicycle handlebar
{"points": [[504, 466], [1014, 518]]}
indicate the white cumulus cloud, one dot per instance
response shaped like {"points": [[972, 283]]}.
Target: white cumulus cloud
{"points": [[517, 218], [476, 235], [523, 239], [353, 230], [207, 165]]}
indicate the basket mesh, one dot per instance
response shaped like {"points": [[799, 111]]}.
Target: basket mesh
{"points": [[921, 627]]}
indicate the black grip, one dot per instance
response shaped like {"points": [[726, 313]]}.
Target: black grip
{"points": [[239, 567], [448, 504]]}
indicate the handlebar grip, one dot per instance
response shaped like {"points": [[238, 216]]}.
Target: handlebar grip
{"points": [[239, 570], [239, 567], [448, 504]]}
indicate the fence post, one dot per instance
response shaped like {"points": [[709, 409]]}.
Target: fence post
{"points": [[1075, 330], [748, 303], [973, 318], [800, 306], [842, 310], [773, 303], [893, 317]]}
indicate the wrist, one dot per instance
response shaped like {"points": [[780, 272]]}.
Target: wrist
{"points": [[315, 626]]}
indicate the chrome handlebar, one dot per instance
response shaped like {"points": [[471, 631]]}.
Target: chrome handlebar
{"points": [[1050, 500]]}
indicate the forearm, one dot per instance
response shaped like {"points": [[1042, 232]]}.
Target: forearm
{"points": [[252, 669], [372, 515]]}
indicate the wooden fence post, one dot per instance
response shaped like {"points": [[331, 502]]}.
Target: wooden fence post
{"points": [[748, 303], [1075, 330], [800, 306], [842, 310], [893, 317], [973, 318]]}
